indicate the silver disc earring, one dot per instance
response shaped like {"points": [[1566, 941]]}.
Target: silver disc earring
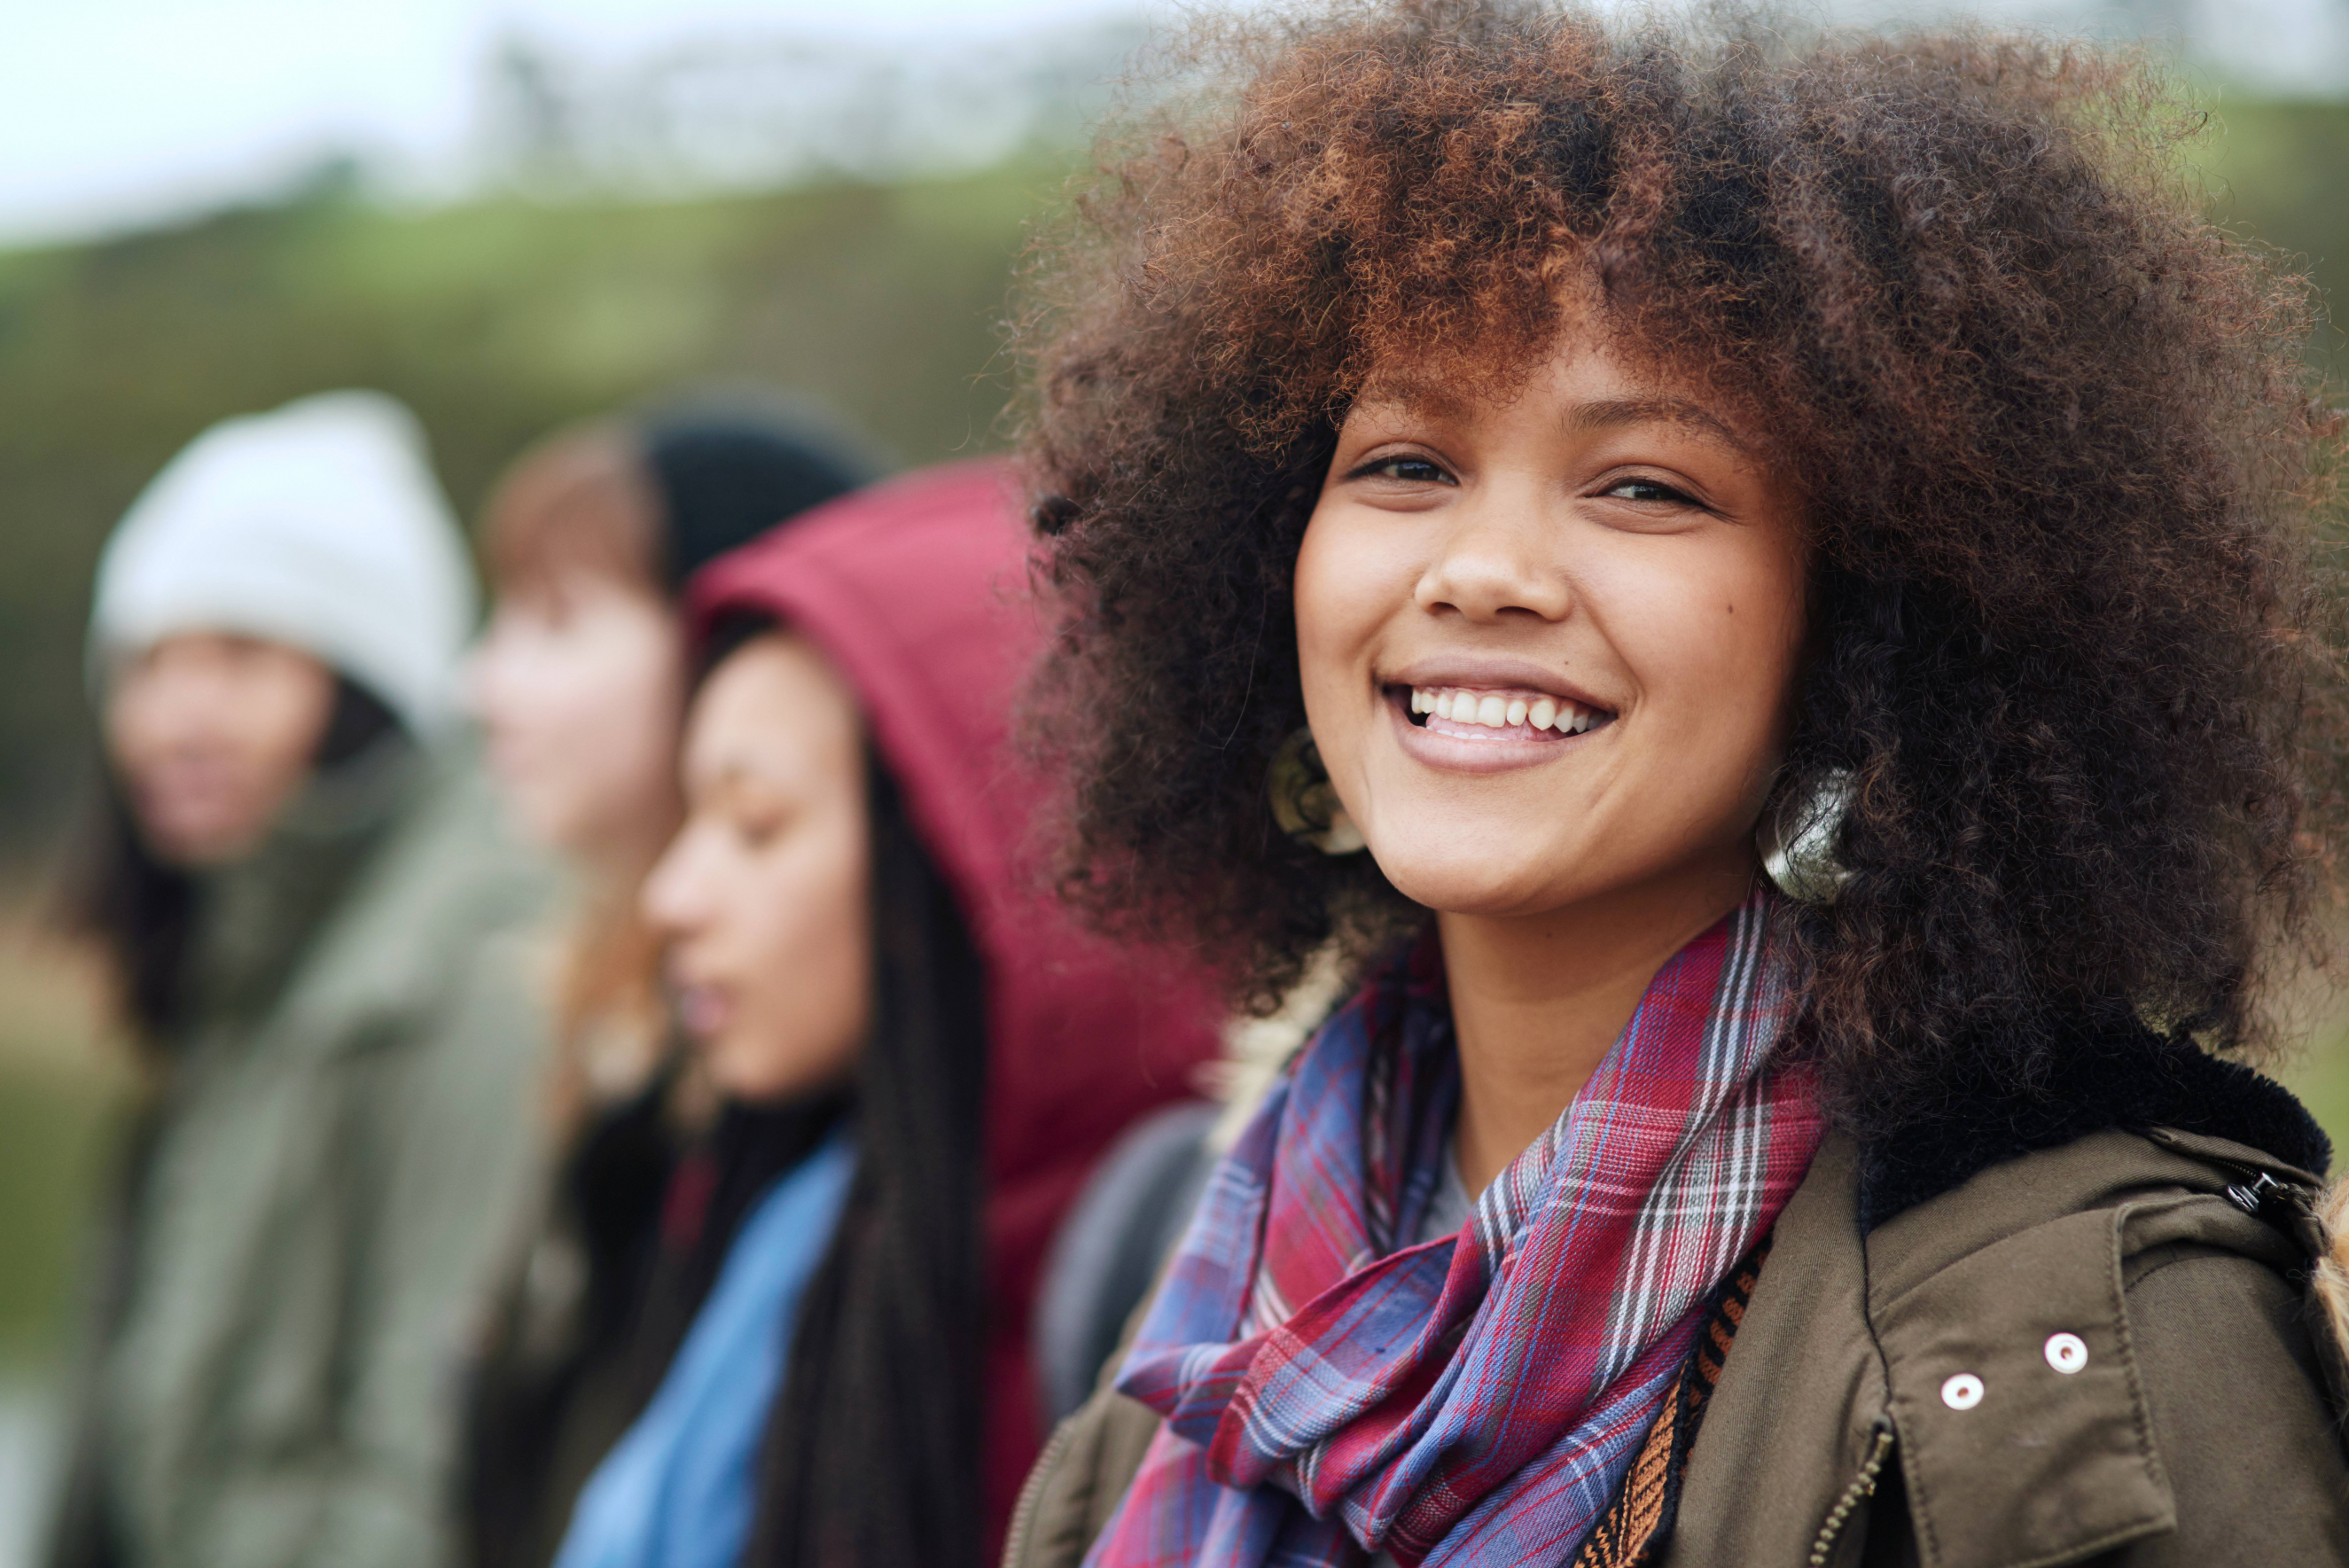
{"points": [[1796, 839], [1305, 803]]}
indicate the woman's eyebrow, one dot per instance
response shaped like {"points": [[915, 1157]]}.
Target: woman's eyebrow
{"points": [[1614, 413], [1423, 399]]}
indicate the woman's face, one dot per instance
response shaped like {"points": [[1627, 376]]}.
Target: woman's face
{"points": [[765, 895], [1597, 588], [578, 687], [212, 733]]}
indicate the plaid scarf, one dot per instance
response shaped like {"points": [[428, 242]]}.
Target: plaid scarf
{"points": [[1472, 1400]]}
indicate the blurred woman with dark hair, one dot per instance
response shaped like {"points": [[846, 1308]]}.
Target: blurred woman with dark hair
{"points": [[920, 1057], [301, 885], [580, 684]]}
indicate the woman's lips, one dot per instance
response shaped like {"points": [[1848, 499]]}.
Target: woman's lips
{"points": [[1467, 745], [704, 1010]]}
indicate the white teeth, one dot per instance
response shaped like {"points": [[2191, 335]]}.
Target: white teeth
{"points": [[1504, 713]]}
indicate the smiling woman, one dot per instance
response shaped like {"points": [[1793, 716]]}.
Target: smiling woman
{"points": [[1760, 593]]}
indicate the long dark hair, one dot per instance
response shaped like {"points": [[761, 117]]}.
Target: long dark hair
{"points": [[871, 1452], [871, 1455], [140, 909]]}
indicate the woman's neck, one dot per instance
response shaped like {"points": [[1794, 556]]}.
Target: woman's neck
{"points": [[1538, 1001]]}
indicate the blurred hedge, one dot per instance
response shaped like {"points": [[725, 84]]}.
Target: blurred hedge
{"points": [[499, 320]]}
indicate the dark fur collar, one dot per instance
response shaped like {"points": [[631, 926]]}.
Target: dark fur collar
{"points": [[2129, 1079]]}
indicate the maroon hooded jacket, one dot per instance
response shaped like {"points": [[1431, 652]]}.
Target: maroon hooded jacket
{"points": [[918, 591]]}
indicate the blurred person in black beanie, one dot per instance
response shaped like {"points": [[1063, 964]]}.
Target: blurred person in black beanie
{"points": [[579, 686]]}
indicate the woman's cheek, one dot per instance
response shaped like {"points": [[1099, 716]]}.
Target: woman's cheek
{"points": [[1719, 653], [812, 984], [1345, 590]]}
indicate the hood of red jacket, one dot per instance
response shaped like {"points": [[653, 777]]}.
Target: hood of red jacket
{"points": [[919, 592]]}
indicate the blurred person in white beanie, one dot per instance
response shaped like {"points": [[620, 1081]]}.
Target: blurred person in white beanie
{"points": [[314, 925]]}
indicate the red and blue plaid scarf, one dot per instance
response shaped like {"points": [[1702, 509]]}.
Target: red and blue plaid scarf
{"points": [[1470, 1400]]}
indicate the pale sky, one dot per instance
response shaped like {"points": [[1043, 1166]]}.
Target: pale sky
{"points": [[119, 112], [114, 112]]}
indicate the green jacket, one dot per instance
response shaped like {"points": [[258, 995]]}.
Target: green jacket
{"points": [[2195, 1423], [337, 1150]]}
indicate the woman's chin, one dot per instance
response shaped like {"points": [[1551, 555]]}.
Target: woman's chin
{"points": [[747, 1082], [1448, 882], [752, 1072]]}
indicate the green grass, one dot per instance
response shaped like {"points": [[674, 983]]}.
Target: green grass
{"points": [[52, 1148], [2320, 1078], [61, 1087]]}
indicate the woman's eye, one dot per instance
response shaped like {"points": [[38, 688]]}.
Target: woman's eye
{"points": [[1649, 490], [1407, 469]]}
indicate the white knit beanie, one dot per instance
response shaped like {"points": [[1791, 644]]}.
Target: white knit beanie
{"points": [[320, 526]]}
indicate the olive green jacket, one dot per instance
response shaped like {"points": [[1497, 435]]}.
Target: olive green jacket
{"points": [[2088, 1353], [338, 1146]]}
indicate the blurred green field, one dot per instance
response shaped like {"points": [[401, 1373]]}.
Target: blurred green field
{"points": [[62, 1086], [2320, 1078], [2319, 1074]]}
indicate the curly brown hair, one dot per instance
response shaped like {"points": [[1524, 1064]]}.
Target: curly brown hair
{"points": [[2063, 473]]}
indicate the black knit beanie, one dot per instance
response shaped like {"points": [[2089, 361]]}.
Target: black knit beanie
{"points": [[729, 470]]}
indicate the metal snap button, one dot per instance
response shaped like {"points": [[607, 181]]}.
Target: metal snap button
{"points": [[1963, 1392], [2067, 1353]]}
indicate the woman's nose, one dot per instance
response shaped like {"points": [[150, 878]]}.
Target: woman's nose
{"points": [[669, 900], [1498, 558]]}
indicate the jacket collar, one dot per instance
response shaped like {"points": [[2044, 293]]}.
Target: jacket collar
{"points": [[2127, 1079]]}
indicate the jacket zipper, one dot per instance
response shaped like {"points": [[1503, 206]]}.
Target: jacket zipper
{"points": [[1862, 1488], [1031, 1493]]}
